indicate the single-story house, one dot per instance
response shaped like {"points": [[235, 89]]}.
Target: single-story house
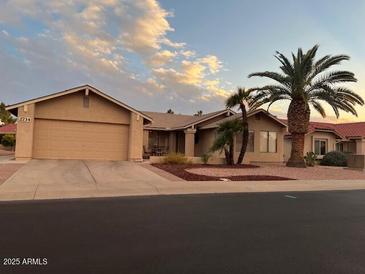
{"points": [[85, 123], [78, 123], [194, 135], [325, 137]]}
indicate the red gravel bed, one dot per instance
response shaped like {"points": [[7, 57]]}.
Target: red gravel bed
{"points": [[180, 171], [6, 170]]}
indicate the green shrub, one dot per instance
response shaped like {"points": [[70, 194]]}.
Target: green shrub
{"points": [[310, 158], [176, 159], [8, 140], [205, 158], [334, 158]]}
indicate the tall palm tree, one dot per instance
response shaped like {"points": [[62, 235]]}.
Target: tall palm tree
{"points": [[225, 139], [306, 81], [246, 100]]}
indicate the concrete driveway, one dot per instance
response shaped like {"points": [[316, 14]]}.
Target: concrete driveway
{"points": [[49, 179], [61, 179]]}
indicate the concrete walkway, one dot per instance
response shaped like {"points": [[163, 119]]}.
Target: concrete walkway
{"points": [[61, 179]]}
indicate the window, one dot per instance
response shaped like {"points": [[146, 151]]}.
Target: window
{"points": [[268, 141], [320, 147], [250, 144], [339, 147]]}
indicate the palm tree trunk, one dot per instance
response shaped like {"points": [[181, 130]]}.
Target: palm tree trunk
{"points": [[245, 134], [297, 150], [227, 155], [231, 153], [298, 121]]}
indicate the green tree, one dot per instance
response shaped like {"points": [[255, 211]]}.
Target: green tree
{"points": [[170, 111], [5, 116], [307, 82], [8, 140], [246, 100], [225, 139]]}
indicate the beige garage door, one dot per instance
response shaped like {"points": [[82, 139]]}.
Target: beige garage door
{"points": [[54, 139]]}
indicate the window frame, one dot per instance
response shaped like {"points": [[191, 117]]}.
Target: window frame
{"points": [[326, 146], [267, 132]]}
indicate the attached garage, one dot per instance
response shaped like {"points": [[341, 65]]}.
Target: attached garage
{"points": [[80, 123], [54, 139]]}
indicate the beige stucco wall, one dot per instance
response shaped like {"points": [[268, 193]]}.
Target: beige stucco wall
{"points": [[71, 107], [135, 147], [145, 138], [309, 142], [24, 133], [190, 142], [263, 123], [255, 124]]}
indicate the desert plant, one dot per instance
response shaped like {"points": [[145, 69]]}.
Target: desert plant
{"points": [[334, 158], [205, 158], [310, 158], [246, 100], [306, 81], [176, 159], [8, 140], [225, 139]]}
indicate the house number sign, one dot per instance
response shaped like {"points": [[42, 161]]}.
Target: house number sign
{"points": [[24, 119]]}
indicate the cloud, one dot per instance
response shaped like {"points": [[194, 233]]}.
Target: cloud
{"points": [[148, 28], [121, 45], [213, 63], [187, 53], [162, 57]]}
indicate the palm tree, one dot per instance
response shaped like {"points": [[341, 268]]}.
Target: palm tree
{"points": [[306, 81], [170, 111], [246, 100], [225, 139], [199, 113]]}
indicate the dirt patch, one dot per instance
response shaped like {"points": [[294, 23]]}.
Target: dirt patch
{"points": [[6, 170], [181, 171]]}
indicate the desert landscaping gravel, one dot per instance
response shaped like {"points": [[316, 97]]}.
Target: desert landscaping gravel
{"points": [[309, 173]]}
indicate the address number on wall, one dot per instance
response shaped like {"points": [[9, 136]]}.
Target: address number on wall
{"points": [[24, 119]]}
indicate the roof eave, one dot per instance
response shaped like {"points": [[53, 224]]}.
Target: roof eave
{"points": [[13, 108]]}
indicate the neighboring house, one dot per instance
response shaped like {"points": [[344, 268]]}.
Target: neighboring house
{"points": [[325, 137], [7, 129], [78, 123], [194, 135]]}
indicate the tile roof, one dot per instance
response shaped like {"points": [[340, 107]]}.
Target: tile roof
{"points": [[177, 121], [343, 130], [9, 128], [351, 129]]}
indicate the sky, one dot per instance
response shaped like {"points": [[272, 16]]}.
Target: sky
{"points": [[156, 55]]}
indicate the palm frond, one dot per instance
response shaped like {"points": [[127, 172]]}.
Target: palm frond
{"points": [[318, 107], [282, 79]]}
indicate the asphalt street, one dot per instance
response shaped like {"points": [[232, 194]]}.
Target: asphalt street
{"points": [[297, 232]]}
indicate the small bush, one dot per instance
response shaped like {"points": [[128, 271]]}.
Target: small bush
{"points": [[176, 159], [8, 140], [310, 158], [205, 158], [334, 158]]}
